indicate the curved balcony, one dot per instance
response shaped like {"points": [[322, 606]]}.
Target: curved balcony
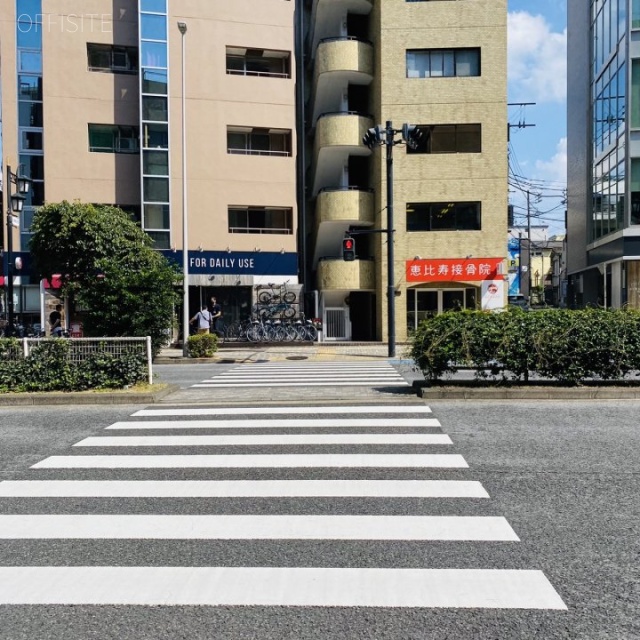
{"points": [[328, 17], [336, 274], [348, 205], [338, 136], [340, 62]]}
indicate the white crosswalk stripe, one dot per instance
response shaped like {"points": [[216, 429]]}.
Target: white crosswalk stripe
{"points": [[350, 428], [242, 489], [311, 374], [288, 423], [275, 586], [268, 440]]}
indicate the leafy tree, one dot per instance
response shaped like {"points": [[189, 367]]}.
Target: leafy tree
{"points": [[108, 264]]}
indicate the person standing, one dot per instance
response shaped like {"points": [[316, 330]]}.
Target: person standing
{"points": [[202, 320], [216, 314]]}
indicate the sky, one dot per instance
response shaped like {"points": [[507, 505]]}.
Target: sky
{"points": [[537, 73]]}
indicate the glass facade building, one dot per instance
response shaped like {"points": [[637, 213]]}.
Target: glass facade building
{"points": [[30, 106], [154, 121], [603, 209]]}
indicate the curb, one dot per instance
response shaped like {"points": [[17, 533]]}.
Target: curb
{"points": [[530, 393], [183, 360], [83, 398]]}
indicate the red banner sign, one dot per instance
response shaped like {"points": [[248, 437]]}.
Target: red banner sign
{"points": [[454, 269]]}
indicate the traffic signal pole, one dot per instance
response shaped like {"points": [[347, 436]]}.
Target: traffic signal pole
{"points": [[412, 136], [391, 290]]}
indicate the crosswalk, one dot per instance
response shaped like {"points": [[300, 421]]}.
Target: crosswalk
{"points": [[307, 374], [384, 475]]}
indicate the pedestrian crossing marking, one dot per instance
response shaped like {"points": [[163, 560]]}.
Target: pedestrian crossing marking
{"points": [[269, 586], [262, 461], [251, 411], [392, 439], [255, 527], [242, 489], [306, 375], [278, 586], [359, 382], [283, 423]]}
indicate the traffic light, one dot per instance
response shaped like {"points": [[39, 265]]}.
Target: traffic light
{"points": [[412, 135], [348, 249], [373, 137]]}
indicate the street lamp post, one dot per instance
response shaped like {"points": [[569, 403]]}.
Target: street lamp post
{"points": [[182, 26], [15, 204], [379, 135]]}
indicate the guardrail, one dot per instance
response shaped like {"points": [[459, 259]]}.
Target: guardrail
{"points": [[81, 348]]}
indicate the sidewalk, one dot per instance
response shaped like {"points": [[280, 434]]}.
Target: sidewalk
{"points": [[245, 352]]}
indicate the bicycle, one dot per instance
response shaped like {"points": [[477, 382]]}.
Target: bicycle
{"points": [[283, 295], [306, 330], [274, 310]]}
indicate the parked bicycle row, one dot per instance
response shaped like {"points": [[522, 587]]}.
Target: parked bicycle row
{"points": [[259, 329]]}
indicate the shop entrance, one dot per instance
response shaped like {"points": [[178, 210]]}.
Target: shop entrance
{"points": [[424, 303], [235, 301]]}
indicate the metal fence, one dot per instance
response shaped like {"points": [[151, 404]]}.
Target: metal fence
{"points": [[82, 348]]}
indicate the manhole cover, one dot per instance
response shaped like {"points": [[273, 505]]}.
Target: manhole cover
{"points": [[297, 357]]}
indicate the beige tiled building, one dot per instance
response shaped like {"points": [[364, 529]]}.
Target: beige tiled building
{"points": [[438, 65], [278, 96]]}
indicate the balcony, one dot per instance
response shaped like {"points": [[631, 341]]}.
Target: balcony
{"points": [[338, 136], [349, 205], [340, 62], [328, 17], [337, 275]]}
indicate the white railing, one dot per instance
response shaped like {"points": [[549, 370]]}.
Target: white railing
{"points": [[81, 348], [256, 152], [267, 230]]}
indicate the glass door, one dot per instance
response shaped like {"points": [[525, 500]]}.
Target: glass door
{"points": [[452, 300]]}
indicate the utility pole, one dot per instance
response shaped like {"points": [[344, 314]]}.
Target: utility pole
{"points": [[521, 124], [529, 244]]}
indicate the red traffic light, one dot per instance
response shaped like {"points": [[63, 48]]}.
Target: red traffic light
{"points": [[348, 249]]}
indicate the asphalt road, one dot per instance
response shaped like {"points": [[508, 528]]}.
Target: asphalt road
{"points": [[563, 475]]}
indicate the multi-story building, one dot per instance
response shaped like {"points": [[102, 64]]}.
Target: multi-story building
{"points": [[277, 96], [440, 66], [603, 147], [92, 111]]}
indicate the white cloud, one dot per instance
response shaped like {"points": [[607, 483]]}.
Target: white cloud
{"points": [[554, 169], [537, 59]]}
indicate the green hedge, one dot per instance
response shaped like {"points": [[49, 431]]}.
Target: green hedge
{"points": [[202, 345], [562, 344], [48, 368]]}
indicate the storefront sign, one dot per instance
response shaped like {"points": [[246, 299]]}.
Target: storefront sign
{"points": [[454, 269], [256, 263], [492, 294]]}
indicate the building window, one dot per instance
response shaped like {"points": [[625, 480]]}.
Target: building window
{"points": [[443, 216], [112, 59], [449, 138], [259, 142], [112, 138], [276, 220], [258, 62], [443, 63]]}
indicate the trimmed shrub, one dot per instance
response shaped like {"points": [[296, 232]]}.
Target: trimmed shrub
{"points": [[566, 345], [202, 345], [49, 368]]}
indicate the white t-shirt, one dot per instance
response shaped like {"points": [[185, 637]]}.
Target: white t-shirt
{"points": [[204, 319]]}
